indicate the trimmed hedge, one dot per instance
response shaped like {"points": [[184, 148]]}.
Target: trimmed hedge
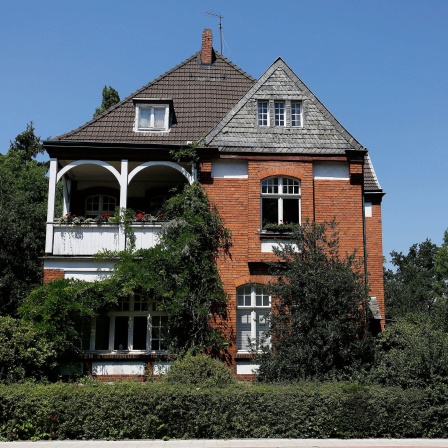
{"points": [[157, 410]]}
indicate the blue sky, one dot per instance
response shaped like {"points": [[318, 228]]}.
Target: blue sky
{"points": [[381, 67]]}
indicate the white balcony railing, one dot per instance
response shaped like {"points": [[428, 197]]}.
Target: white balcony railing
{"points": [[89, 239]]}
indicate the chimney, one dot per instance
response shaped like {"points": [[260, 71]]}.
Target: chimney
{"points": [[207, 47]]}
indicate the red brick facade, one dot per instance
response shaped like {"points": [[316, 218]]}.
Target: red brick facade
{"points": [[239, 203], [52, 274]]}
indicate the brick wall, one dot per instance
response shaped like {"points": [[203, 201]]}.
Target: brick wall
{"points": [[238, 202], [52, 274], [374, 242]]}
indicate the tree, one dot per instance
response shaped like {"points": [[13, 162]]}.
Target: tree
{"points": [[27, 144], [318, 327], [110, 98], [23, 207], [419, 282]]}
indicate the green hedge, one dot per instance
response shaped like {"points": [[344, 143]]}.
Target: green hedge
{"points": [[156, 410]]}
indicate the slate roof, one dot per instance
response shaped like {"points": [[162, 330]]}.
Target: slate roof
{"points": [[201, 95], [218, 102], [321, 133], [371, 182]]}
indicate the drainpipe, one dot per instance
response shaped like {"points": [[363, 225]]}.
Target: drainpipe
{"points": [[364, 238]]}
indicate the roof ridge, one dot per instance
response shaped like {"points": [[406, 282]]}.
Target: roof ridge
{"points": [[239, 69]]}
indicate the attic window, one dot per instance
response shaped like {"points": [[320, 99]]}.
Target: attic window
{"points": [[296, 113], [280, 113], [263, 113], [151, 117]]}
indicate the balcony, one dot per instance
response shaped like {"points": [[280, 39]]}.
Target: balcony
{"points": [[89, 239]]}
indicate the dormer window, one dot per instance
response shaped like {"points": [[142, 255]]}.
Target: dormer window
{"points": [[151, 117]]}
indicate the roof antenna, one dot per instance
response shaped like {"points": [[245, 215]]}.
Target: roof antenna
{"points": [[220, 25]]}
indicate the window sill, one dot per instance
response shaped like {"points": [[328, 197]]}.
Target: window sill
{"points": [[92, 355], [152, 131], [280, 234]]}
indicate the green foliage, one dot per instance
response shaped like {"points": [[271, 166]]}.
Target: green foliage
{"points": [[279, 227], [185, 153], [156, 410], [318, 324], [413, 352], [181, 272], [23, 353], [27, 144], [199, 370], [57, 309], [23, 208], [419, 280], [441, 261], [110, 98]]}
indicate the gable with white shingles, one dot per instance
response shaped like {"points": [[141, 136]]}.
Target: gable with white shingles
{"points": [[321, 133]]}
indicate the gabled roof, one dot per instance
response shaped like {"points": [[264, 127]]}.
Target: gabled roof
{"points": [[321, 132], [201, 95]]}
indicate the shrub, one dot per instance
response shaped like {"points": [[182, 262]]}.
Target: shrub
{"points": [[23, 354], [199, 370], [157, 410], [413, 352]]}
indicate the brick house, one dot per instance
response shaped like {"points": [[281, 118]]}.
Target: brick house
{"points": [[270, 153]]}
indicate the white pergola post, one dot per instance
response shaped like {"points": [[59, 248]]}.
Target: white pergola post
{"points": [[51, 205], [123, 201]]}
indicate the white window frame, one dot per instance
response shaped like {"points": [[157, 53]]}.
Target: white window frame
{"points": [[273, 191], [296, 117], [279, 113], [151, 127], [263, 115], [130, 314], [100, 209], [255, 311]]}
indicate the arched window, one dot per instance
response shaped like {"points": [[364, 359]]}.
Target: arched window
{"points": [[280, 201], [253, 309], [99, 204]]}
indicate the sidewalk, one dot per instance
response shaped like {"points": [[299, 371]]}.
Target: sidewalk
{"points": [[234, 443]]}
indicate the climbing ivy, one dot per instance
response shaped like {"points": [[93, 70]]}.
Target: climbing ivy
{"points": [[180, 272]]}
